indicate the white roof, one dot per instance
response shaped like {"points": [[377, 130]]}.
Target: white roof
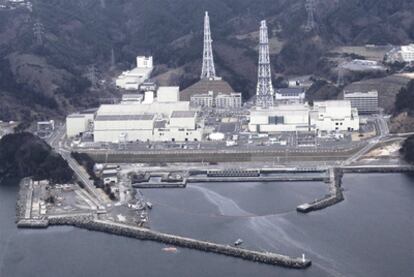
{"points": [[140, 117], [373, 93], [141, 108]]}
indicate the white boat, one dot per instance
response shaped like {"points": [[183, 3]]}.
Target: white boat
{"points": [[238, 242]]}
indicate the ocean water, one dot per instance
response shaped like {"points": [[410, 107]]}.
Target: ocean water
{"points": [[368, 234]]}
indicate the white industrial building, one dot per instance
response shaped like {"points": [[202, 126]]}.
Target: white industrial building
{"points": [[290, 95], [168, 94], [403, 53], [364, 102], [363, 66], [204, 100], [79, 123], [132, 79], [324, 116], [230, 101], [221, 101], [133, 98], [161, 118], [281, 118], [334, 116]]}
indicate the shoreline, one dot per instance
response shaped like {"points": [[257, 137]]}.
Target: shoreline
{"points": [[90, 221]]}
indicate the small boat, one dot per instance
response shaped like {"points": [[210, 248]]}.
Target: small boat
{"points": [[238, 242], [170, 249], [149, 205]]}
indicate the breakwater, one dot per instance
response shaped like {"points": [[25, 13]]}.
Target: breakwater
{"points": [[335, 194], [146, 234], [378, 169], [90, 222]]}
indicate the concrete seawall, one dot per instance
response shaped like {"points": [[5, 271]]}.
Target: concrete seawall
{"points": [[335, 194], [228, 155]]}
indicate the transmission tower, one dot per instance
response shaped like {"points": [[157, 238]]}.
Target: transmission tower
{"points": [[113, 61], [38, 31], [208, 71], [265, 90], [310, 9], [341, 76], [92, 75]]}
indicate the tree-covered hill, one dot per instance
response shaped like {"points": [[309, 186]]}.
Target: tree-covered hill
{"points": [[25, 155]]}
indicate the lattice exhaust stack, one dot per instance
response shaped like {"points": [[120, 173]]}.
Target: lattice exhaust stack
{"points": [[265, 92], [208, 71], [310, 9]]}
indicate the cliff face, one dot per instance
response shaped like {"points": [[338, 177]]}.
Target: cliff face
{"points": [[80, 33]]}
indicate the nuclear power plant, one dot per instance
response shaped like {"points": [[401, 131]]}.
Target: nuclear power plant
{"points": [[148, 113]]}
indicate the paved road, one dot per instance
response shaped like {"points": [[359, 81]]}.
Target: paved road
{"points": [[54, 141]]}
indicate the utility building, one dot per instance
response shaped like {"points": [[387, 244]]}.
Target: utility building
{"points": [[324, 116], [132, 79], [290, 95], [403, 53], [79, 123], [334, 116], [364, 102], [231, 101], [281, 118]]}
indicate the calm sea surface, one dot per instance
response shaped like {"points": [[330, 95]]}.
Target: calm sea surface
{"points": [[371, 233]]}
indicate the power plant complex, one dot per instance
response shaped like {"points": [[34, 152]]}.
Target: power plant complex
{"points": [[168, 114]]}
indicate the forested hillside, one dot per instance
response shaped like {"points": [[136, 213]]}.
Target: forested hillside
{"points": [[25, 155], [49, 78]]}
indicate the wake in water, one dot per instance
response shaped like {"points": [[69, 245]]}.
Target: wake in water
{"points": [[271, 229], [274, 233], [225, 205]]}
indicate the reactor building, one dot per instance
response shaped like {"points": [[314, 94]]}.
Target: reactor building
{"points": [[158, 116]]}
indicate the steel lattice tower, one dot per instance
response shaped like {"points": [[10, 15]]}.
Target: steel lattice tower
{"points": [[38, 31], [208, 71], [265, 90], [310, 8]]}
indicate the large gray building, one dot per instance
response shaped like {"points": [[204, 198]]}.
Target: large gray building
{"points": [[364, 102]]}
